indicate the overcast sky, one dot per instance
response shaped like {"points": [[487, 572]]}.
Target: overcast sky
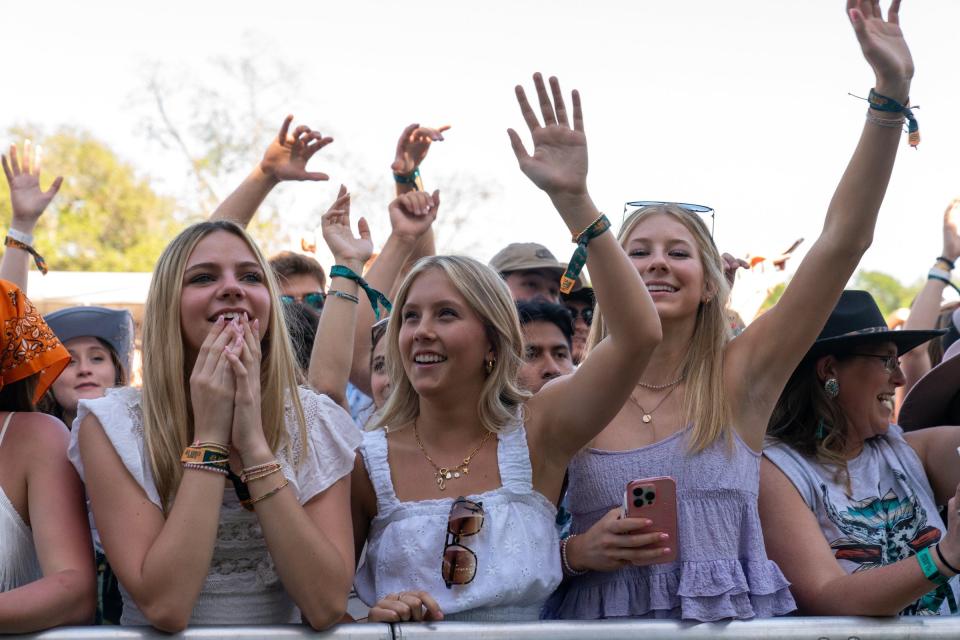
{"points": [[739, 105]]}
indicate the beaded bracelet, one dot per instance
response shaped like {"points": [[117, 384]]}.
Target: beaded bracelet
{"points": [[570, 571], [260, 471], [270, 493], [889, 105], [205, 467]]}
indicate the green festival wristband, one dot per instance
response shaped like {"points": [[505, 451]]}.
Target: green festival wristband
{"points": [[376, 298], [597, 227]]}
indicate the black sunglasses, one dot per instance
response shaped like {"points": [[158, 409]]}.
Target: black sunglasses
{"points": [[314, 300], [459, 564], [586, 313], [701, 209]]}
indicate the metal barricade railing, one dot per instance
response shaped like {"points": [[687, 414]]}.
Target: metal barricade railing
{"points": [[790, 628]]}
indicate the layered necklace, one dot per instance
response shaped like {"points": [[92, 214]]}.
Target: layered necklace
{"points": [[648, 415], [449, 473]]}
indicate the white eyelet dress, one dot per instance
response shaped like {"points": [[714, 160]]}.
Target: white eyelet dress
{"points": [[18, 555], [243, 586], [518, 562]]}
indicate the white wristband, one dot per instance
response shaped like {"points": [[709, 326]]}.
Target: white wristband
{"points": [[20, 236]]}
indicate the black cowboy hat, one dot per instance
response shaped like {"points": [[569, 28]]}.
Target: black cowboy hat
{"points": [[857, 320]]}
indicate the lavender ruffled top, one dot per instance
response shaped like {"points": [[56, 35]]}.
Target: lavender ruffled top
{"points": [[722, 570]]}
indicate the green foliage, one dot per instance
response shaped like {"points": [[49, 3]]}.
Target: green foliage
{"points": [[890, 293], [106, 217], [772, 298]]}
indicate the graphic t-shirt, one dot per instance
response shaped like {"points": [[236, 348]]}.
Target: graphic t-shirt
{"points": [[889, 515]]}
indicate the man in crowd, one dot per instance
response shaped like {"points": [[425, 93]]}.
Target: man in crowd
{"points": [[547, 337]]}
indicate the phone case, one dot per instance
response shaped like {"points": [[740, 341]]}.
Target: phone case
{"points": [[656, 500]]}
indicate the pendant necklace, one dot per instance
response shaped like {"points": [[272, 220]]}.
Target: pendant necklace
{"points": [[648, 415], [449, 473]]}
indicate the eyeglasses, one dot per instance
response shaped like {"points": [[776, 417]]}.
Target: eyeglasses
{"points": [[890, 363], [586, 314], [700, 209], [314, 300], [459, 564]]}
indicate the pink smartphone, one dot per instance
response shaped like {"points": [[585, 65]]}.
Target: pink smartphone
{"points": [[656, 500]]}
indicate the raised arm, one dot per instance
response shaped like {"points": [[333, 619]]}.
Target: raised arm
{"points": [[411, 217], [28, 202], [285, 159], [332, 354], [412, 148], [775, 343], [926, 307], [568, 412]]}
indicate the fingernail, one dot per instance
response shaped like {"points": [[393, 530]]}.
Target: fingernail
{"points": [[666, 551], [664, 536]]}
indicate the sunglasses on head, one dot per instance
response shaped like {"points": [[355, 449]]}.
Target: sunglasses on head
{"points": [[459, 564], [314, 300], [700, 209], [378, 329]]}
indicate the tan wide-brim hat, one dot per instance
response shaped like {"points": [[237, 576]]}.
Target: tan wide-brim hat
{"points": [[927, 403], [529, 256]]}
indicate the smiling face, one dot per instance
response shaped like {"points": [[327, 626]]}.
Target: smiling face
{"points": [[90, 373], [665, 254], [443, 342], [222, 277], [866, 388]]}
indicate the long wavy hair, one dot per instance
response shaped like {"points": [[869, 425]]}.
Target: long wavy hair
{"points": [[167, 411], [488, 296], [704, 403]]}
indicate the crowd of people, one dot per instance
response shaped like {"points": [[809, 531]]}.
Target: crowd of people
{"points": [[442, 439]]}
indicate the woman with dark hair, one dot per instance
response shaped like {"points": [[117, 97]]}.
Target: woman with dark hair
{"points": [[46, 577], [847, 500]]}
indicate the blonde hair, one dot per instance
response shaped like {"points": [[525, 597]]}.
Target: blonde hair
{"points": [[704, 404], [487, 296], [167, 414]]}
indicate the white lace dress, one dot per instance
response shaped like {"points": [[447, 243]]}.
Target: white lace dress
{"points": [[242, 586]]}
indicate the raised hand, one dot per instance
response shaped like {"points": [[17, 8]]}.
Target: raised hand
{"points": [[730, 266], [243, 354], [883, 46], [559, 161], [212, 385], [951, 239], [335, 226], [412, 213], [413, 145], [26, 197], [288, 154]]}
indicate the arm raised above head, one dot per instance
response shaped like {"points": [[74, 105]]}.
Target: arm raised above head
{"points": [[570, 411], [777, 341]]}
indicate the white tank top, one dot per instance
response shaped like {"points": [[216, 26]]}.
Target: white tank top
{"points": [[518, 558], [18, 556]]}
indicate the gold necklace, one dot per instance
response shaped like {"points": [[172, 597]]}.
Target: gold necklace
{"points": [[648, 415], [449, 473]]}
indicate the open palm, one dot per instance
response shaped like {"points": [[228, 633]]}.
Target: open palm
{"points": [[882, 40], [26, 198], [558, 164], [335, 226]]}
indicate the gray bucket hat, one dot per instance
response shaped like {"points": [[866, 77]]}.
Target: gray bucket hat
{"points": [[113, 326]]}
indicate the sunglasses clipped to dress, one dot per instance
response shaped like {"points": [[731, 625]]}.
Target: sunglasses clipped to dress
{"points": [[700, 209], [459, 566], [314, 300]]}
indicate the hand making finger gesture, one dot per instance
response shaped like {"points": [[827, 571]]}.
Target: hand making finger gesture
{"points": [[412, 213], [26, 198], [559, 161], [347, 249], [413, 145], [288, 154]]}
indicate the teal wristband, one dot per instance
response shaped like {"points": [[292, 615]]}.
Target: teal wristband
{"points": [[929, 567], [376, 298], [569, 279], [412, 178]]}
